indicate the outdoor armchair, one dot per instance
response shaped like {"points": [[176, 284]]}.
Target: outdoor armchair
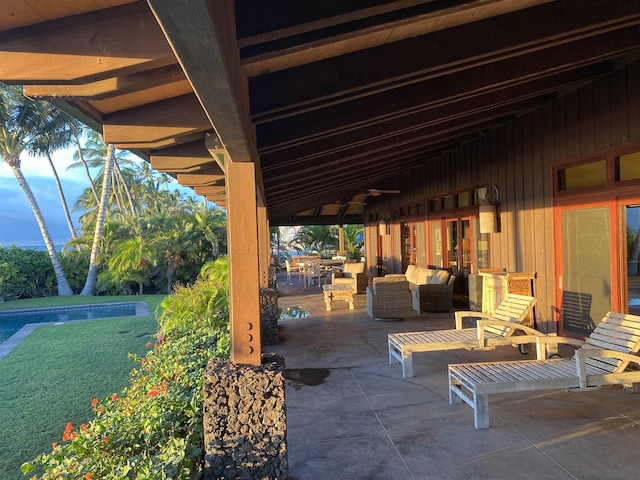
{"points": [[353, 274]]}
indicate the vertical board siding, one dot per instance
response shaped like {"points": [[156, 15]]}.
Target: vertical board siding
{"points": [[518, 157]]}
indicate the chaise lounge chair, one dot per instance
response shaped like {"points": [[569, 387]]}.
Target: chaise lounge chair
{"points": [[499, 329], [601, 360]]}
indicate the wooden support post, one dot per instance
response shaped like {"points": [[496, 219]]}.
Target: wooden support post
{"points": [[244, 296], [264, 246]]}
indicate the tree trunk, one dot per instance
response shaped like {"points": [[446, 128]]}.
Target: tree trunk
{"points": [[63, 200], [86, 169], [64, 289], [127, 191], [92, 276]]}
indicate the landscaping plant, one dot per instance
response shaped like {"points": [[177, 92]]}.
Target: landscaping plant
{"points": [[153, 429]]}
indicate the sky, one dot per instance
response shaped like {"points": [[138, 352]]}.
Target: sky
{"points": [[17, 222]]}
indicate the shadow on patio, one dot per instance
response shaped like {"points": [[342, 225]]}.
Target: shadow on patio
{"points": [[351, 415]]}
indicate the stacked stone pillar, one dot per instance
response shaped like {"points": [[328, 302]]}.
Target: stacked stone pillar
{"points": [[245, 420], [269, 310]]}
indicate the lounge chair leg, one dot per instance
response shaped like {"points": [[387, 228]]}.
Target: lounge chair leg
{"points": [[407, 365], [481, 410], [453, 395], [392, 359]]}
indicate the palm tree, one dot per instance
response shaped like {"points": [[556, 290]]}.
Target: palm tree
{"points": [[76, 133], [353, 240], [315, 239], [89, 288], [23, 123], [54, 140], [93, 155]]}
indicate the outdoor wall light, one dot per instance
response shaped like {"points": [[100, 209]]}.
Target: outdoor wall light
{"points": [[383, 227], [488, 213]]}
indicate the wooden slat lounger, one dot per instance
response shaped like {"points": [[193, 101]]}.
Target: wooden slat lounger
{"points": [[497, 329], [601, 360]]}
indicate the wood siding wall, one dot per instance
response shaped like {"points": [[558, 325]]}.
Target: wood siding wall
{"points": [[518, 158]]}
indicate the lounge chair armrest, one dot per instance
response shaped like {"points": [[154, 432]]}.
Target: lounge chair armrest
{"points": [[583, 354], [464, 314], [606, 353], [528, 334], [555, 340]]}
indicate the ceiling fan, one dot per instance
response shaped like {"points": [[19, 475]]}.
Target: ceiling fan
{"points": [[346, 202], [374, 192]]}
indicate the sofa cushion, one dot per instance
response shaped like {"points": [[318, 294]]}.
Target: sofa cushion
{"points": [[423, 275], [412, 274], [439, 277]]}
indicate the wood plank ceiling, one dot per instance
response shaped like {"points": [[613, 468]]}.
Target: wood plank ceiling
{"points": [[329, 98]]}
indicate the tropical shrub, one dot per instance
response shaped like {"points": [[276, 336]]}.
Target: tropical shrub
{"points": [[153, 429], [75, 264], [25, 273]]}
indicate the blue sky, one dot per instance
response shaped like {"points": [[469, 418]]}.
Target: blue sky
{"points": [[17, 222]]}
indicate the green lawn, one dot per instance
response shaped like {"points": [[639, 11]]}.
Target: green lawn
{"points": [[51, 377]]}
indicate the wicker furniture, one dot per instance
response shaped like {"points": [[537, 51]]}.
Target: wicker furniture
{"points": [[352, 274], [431, 289], [389, 298]]}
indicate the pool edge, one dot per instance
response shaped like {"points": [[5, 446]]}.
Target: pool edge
{"points": [[14, 340]]}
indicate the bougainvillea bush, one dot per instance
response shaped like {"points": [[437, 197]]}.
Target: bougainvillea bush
{"points": [[153, 428]]}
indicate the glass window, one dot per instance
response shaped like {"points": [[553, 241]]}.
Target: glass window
{"points": [[435, 205], [628, 167], [463, 199], [586, 265], [449, 202], [588, 175]]}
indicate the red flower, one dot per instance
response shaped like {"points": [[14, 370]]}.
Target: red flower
{"points": [[87, 476], [153, 393], [67, 434], [148, 344], [94, 402], [114, 397]]}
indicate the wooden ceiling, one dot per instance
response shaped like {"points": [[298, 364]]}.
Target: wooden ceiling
{"points": [[329, 98]]}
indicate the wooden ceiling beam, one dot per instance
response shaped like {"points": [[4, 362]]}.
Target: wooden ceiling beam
{"points": [[158, 121], [199, 180], [441, 54], [165, 143], [202, 34], [302, 51], [212, 191], [519, 96], [417, 135], [110, 87], [190, 157], [85, 48], [442, 90]]}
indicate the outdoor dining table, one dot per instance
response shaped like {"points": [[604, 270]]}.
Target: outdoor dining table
{"points": [[319, 269]]}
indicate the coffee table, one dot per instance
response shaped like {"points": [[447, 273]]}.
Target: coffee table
{"points": [[338, 292]]}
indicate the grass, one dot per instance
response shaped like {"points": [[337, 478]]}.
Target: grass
{"points": [[69, 301], [51, 377]]}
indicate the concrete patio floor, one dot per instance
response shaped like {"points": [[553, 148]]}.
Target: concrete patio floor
{"points": [[351, 415]]}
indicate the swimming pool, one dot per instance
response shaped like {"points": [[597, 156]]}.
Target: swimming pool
{"points": [[11, 322]]}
